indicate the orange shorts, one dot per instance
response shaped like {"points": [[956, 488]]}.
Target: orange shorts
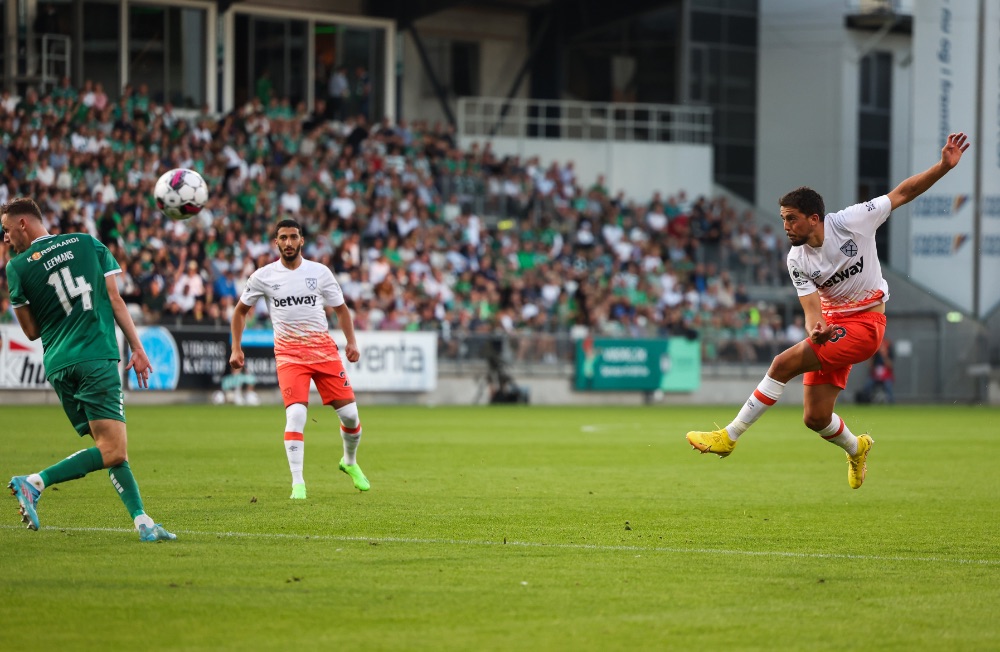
{"points": [[330, 377], [856, 338]]}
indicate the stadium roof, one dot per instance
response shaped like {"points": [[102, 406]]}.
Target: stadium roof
{"points": [[406, 12], [409, 10]]}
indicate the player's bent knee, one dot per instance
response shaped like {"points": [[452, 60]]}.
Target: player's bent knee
{"points": [[349, 416], [816, 421], [295, 418]]}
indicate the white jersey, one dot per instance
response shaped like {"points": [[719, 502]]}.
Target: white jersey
{"points": [[296, 299], [845, 270]]}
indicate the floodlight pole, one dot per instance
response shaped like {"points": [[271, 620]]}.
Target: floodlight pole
{"points": [[977, 174]]}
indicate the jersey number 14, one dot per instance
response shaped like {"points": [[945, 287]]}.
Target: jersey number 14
{"points": [[68, 288]]}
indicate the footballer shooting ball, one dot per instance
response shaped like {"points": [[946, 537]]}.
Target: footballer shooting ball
{"points": [[180, 193]]}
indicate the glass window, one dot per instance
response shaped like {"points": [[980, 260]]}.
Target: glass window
{"points": [[464, 68], [865, 81], [741, 30], [364, 56], [167, 53], [883, 79], [271, 61], [740, 78], [696, 89], [873, 161], [101, 46], [739, 125], [706, 27]]}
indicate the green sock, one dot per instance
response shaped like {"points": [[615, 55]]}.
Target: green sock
{"points": [[75, 466], [127, 488]]}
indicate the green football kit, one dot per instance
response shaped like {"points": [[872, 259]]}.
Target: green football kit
{"points": [[57, 277]]}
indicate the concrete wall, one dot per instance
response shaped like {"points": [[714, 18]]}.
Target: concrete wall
{"points": [[808, 101], [503, 48]]}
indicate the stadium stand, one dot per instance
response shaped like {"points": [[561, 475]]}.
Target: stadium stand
{"points": [[423, 236]]}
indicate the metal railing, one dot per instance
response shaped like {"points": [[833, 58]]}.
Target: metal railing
{"points": [[571, 120]]}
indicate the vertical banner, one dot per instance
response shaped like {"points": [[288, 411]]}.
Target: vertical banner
{"points": [[989, 163], [946, 68]]}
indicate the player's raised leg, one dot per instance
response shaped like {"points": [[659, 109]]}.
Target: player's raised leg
{"points": [[28, 488], [788, 364], [722, 442], [350, 433], [295, 447]]}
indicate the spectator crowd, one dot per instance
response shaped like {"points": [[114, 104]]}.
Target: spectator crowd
{"points": [[421, 234]]}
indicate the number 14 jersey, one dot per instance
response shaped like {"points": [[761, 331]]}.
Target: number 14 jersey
{"points": [[62, 279]]}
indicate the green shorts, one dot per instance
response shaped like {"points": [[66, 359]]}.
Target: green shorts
{"points": [[89, 391]]}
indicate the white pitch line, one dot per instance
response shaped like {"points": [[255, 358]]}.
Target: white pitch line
{"points": [[535, 544]]}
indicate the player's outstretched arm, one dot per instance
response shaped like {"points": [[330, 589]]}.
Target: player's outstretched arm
{"points": [[916, 185], [138, 360]]}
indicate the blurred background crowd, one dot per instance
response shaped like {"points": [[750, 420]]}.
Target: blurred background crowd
{"points": [[421, 234]]}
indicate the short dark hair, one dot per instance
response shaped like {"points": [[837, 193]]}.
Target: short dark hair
{"points": [[806, 200], [22, 206], [287, 223]]}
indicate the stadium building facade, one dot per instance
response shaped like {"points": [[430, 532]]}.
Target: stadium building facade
{"points": [[848, 97]]}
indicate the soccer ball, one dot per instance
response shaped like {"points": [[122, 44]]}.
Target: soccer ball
{"points": [[180, 193]]}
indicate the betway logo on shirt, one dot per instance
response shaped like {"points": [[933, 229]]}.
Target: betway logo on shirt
{"points": [[845, 273], [294, 301]]}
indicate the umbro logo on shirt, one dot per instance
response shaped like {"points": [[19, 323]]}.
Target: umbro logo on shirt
{"points": [[850, 249]]}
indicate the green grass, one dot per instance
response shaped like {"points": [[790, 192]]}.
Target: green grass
{"points": [[505, 528]]}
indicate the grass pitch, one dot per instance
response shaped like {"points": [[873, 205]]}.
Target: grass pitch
{"points": [[512, 528]]}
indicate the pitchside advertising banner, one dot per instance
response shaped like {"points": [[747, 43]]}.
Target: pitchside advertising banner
{"points": [[989, 265], [945, 61], [20, 360], [669, 365], [199, 359], [21, 364]]}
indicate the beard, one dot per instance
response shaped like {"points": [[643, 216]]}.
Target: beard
{"points": [[289, 257]]}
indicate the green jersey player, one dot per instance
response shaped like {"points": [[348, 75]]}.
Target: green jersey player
{"points": [[63, 290]]}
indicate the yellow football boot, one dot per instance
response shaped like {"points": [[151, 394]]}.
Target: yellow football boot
{"points": [[857, 464], [717, 442]]}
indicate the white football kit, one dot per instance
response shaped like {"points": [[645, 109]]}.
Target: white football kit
{"points": [[845, 270], [296, 299]]}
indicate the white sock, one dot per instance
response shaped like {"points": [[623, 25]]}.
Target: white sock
{"points": [[143, 519], [767, 394], [295, 451], [838, 433], [36, 481], [295, 444], [350, 431]]}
